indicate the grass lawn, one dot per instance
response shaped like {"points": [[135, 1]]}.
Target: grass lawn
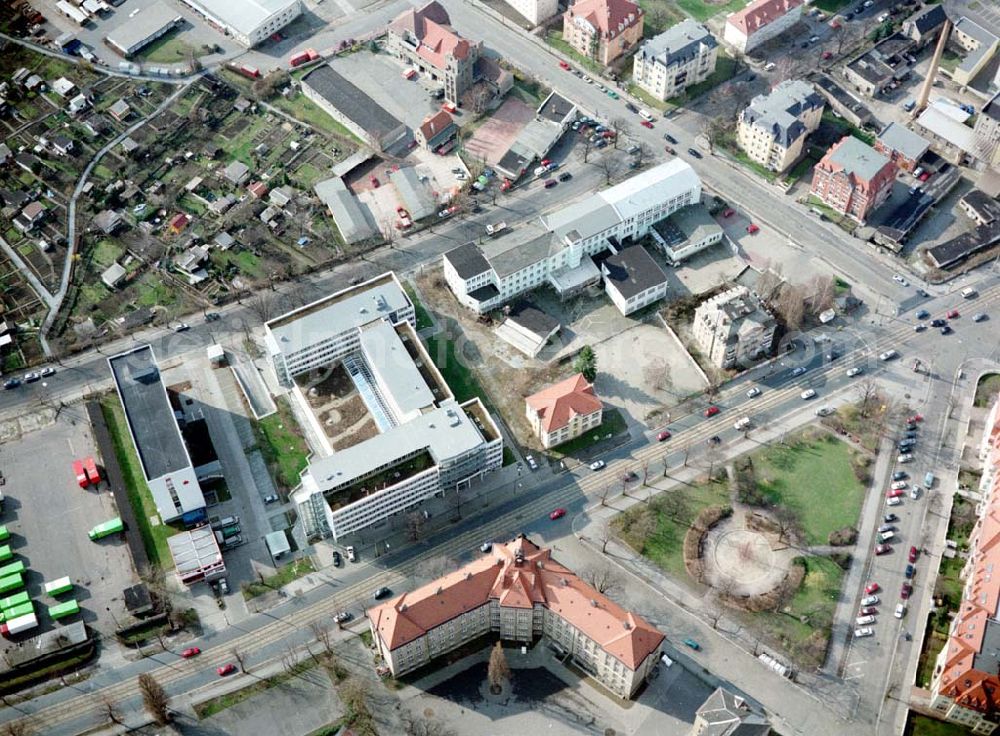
{"points": [[846, 128], [803, 627], [285, 575], [307, 175], [647, 99], [167, 49], [106, 252], [555, 40], [761, 171], [282, 445], [660, 15], [987, 390], [842, 221], [460, 378], [154, 537], [244, 260], [918, 725], [215, 705], [423, 318], [665, 547], [154, 292], [812, 476], [830, 6], [612, 425], [802, 168], [950, 61], [702, 11], [302, 108], [725, 69], [933, 645]]}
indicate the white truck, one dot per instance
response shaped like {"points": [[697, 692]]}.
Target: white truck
{"points": [[19, 625], [495, 228]]}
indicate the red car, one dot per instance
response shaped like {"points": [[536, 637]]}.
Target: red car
{"points": [[728, 212], [564, 65], [751, 228], [669, 150], [664, 435], [872, 588], [881, 549], [557, 514], [912, 557], [546, 162], [375, 182], [894, 493], [868, 611], [916, 418], [190, 652], [953, 314], [905, 591], [827, 54], [226, 669], [646, 124], [925, 176], [712, 411]]}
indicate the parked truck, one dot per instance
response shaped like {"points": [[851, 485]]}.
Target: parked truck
{"points": [[19, 625], [303, 57], [112, 526], [495, 228], [80, 473]]}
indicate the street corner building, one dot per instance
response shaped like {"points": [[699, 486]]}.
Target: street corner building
{"points": [[521, 593], [424, 442], [853, 178], [965, 685], [564, 410]]}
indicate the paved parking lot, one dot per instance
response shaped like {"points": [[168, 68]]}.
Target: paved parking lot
{"points": [[49, 515]]}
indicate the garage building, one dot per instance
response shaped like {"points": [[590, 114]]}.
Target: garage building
{"points": [[250, 21], [143, 28]]}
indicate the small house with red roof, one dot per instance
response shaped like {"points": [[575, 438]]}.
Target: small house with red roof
{"points": [[603, 30], [519, 592], [178, 222], [437, 132], [564, 410]]}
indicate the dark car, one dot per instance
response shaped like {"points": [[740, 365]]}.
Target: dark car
{"points": [[905, 591], [212, 316], [694, 153], [938, 322], [921, 292], [549, 183], [669, 138], [910, 571], [715, 440], [889, 518], [923, 314], [565, 176], [946, 330], [11, 383], [900, 475], [381, 593], [630, 107], [337, 560]]}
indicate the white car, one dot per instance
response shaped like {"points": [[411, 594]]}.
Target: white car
{"points": [[753, 393], [350, 553], [825, 411], [899, 484], [597, 465], [915, 492], [863, 632], [900, 280], [869, 600], [741, 423], [888, 355], [900, 610], [904, 458], [855, 371], [808, 394], [894, 501], [865, 620]]}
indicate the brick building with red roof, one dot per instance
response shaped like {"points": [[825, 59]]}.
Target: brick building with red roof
{"points": [[603, 30], [521, 593], [853, 178], [564, 410]]}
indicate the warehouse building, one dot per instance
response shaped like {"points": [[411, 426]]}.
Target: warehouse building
{"points": [[141, 29], [249, 21]]}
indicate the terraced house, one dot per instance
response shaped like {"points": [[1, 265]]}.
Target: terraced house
{"points": [[520, 593]]}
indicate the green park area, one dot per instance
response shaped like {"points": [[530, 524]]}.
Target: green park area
{"points": [[282, 445]]}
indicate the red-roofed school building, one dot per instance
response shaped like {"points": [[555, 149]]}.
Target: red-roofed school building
{"points": [[564, 410], [521, 593]]}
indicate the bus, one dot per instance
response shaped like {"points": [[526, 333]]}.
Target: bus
{"points": [[4, 533], [17, 611], [63, 610], [13, 626], [5, 553], [112, 526], [12, 569], [57, 587], [14, 600], [11, 583]]}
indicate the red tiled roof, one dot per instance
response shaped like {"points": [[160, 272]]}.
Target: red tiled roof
{"points": [[758, 14], [559, 403], [432, 27], [257, 189], [179, 221], [607, 15], [518, 574], [435, 124]]}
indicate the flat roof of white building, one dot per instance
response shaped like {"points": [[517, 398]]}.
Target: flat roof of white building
{"points": [[245, 16], [332, 315], [395, 370]]}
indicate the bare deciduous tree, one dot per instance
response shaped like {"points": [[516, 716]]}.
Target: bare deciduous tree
{"points": [[823, 293], [20, 727], [587, 148], [240, 656], [154, 698], [868, 397], [414, 525], [355, 696], [605, 492], [790, 305], [322, 634], [434, 567], [769, 282], [498, 671], [621, 128], [657, 374], [601, 578], [611, 166], [414, 725], [261, 306], [604, 535], [643, 153], [111, 711]]}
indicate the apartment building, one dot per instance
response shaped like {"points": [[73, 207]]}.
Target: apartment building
{"points": [[978, 45], [922, 27], [535, 11], [557, 249], [986, 133], [903, 147], [423, 37], [603, 30], [759, 22], [521, 593], [853, 178], [683, 55], [773, 128], [426, 443], [733, 329], [965, 685], [564, 410]]}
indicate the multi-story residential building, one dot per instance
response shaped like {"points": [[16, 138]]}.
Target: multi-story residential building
{"points": [[521, 593], [564, 410], [323, 332], [733, 328], [922, 26], [683, 55], [965, 685], [727, 714], [760, 21], [557, 249], [986, 133], [903, 147], [853, 178], [535, 11], [603, 30], [979, 45], [773, 129], [423, 37]]}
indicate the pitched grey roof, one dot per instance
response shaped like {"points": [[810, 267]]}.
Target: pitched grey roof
{"points": [[678, 43], [905, 141], [727, 714], [415, 193], [467, 260], [928, 19], [350, 216], [350, 101], [858, 158], [780, 110], [632, 271]]}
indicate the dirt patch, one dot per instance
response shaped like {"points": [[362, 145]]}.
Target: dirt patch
{"points": [[357, 434], [338, 407]]}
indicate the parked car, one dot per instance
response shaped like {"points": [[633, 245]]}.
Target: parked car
{"points": [[32, 377], [646, 124], [946, 330], [978, 317], [915, 492], [953, 314], [694, 153], [938, 323], [886, 528], [226, 669], [664, 435], [549, 183], [899, 484], [863, 632], [889, 518], [888, 355], [872, 587], [900, 475], [337, 559], [910, 571], [342, 617], [912, 556], [669, 138], [870, 600], [629, 475], [190, 652], [693, 644], [881, 549], [798, 371], [485, 547], [564, 65], [905, 457], [271, 498], [381, 593], [753, 393], [48, 371], [905, 590], [865, 620], [900, 280], [900, 610], [728, 212], [530, 459], [752, 228], [895, 493], [868, 611], [712, 411], [923, 314], [597, 465], [351, 556], [893, 502], [565, 176]]}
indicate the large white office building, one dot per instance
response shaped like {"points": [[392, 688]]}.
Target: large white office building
{"points": [[427, 442], [557, 248]]}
